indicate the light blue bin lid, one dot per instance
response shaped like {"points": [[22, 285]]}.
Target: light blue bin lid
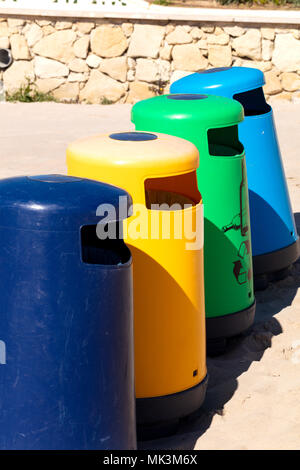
{"points": [[223, 81]]}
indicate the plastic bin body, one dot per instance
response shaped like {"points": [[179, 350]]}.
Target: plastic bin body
{"points": [[66, 377], [275, 241], [222, 182], [170, 357]]}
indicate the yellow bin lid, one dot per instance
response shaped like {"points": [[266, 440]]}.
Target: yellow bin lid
{"points": [[127, 159], [148, 154]]}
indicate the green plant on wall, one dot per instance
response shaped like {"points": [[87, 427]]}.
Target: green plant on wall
{"points": [[78, 2], [164, 3], [29, 93], [105, 100], [96, 2]]}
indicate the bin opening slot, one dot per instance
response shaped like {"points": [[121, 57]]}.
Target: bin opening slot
{"points": [[170, 190], [224, 142], [103, 252], [253, 102]]}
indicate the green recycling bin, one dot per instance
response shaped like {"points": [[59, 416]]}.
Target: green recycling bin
{"points": [[211, 123]]}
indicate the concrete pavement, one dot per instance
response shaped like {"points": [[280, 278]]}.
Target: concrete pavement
{"points": [[34, 136]]}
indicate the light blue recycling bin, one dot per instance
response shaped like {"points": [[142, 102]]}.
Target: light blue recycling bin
{"points": [[275, 242]]}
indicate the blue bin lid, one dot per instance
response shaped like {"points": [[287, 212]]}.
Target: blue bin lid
{"points": [[223, 81], [57, 202]]}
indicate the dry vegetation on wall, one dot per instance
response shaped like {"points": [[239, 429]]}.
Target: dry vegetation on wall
{"points": [[126, 61], [270, 3], [232, 3]]}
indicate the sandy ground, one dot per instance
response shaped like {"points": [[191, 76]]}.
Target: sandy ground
{"points": [[253, 399]]}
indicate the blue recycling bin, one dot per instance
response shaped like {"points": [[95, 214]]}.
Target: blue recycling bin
{"points": [[275, 242], [66, 318]]}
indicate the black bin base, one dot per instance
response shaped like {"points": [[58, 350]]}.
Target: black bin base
{"points": [[276, 261], [218, 329], [159, 416]]}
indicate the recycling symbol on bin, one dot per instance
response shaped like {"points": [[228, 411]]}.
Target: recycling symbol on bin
{"points": [[240, 269]]}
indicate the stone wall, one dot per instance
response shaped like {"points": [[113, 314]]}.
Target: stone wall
{"points": [[112, 61]]}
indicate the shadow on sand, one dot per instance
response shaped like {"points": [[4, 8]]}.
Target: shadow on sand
{"points": [[241, 352]]}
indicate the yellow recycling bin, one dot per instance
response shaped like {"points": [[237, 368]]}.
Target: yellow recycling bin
{"points": [[165, 236]]}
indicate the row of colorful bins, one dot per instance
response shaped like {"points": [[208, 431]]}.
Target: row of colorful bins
{"points": [[66, 313], [67, 295]]}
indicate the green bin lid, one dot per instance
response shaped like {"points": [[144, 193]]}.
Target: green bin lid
{"points": [[208, 111]]}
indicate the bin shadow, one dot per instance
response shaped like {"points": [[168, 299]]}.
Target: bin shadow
{"points": [[269, 226], [297, 220], [225, 370]]}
